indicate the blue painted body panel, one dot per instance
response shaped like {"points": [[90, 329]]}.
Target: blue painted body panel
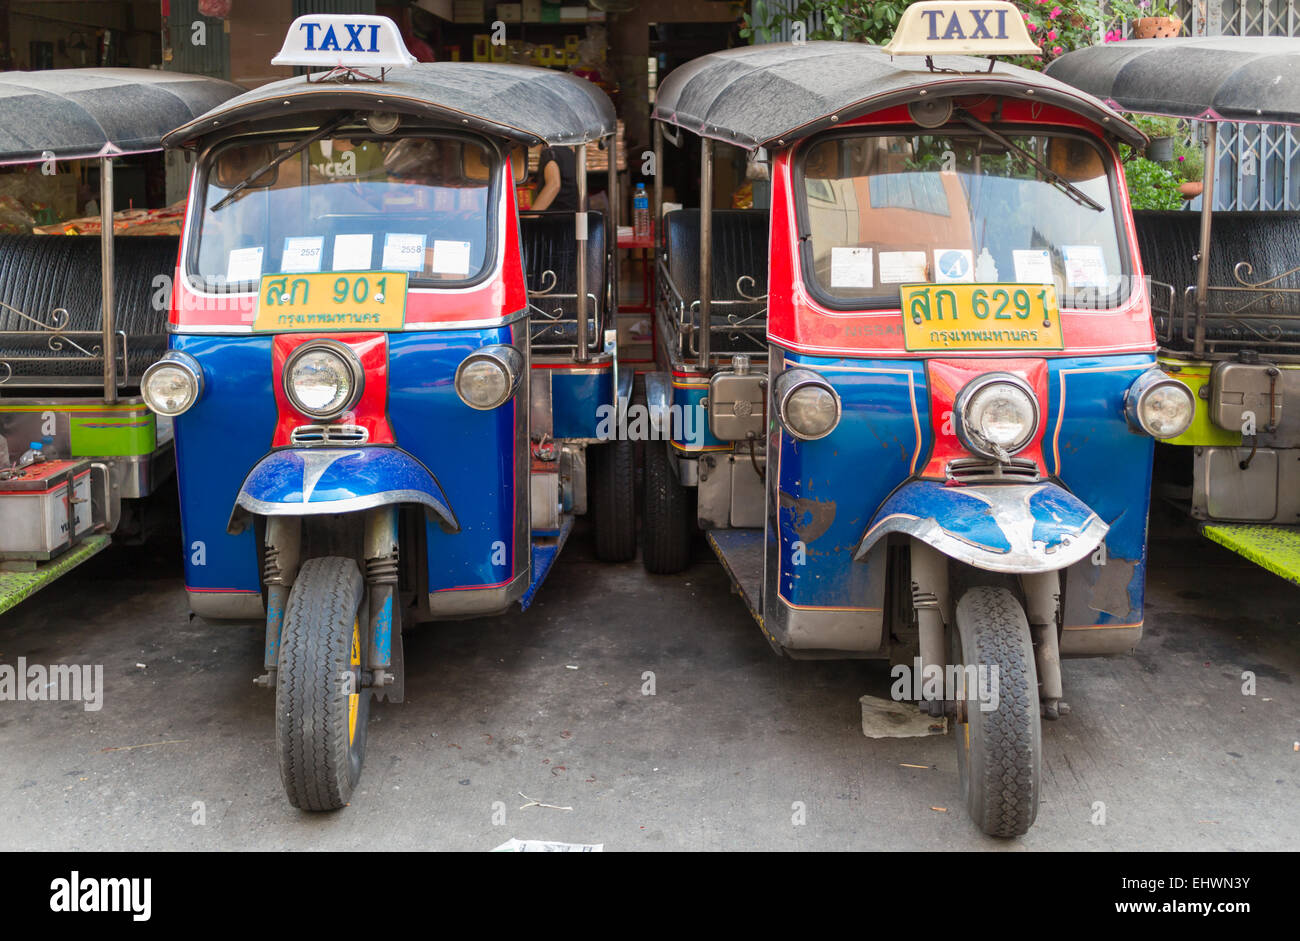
{"points": [[829, 490], [691, 432], [545, 551], [471, 453], [575, 400], [217, 441]]}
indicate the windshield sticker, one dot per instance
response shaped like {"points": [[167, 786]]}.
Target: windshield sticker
{"points": [[852, 267], [952, 265], [352, 252], [302, 254], [245, 264], [1033, 265], [986, 269], [1085, 266], [903, 267], [451, 257], [403, 252]]}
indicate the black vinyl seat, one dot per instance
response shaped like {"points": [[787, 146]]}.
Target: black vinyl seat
{"points": [[550, 248], [1269, 241], [41, 273], [739, 242]]}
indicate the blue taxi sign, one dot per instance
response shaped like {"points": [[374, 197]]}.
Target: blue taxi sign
{"points": [[962, 27], [336, 40]]}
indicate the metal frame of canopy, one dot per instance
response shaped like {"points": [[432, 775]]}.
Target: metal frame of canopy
{"points": [[1117, 74]]}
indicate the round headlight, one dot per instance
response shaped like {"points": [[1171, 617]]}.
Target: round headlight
{"points": [[807, 404], [996, 415], [488, 377], [323, 379], [173, 384], [1160, 406]]}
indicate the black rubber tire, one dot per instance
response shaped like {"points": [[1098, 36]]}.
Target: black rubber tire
{"points": [[666, 523], [611, 499], [320, 758], [999, 753]]}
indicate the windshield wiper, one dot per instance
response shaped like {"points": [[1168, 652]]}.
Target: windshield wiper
{"points": [[1078, 195], [325, 130]]}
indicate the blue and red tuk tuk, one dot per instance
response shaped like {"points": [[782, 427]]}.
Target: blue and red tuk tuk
{"points": [[912, 403], [386, 386]]}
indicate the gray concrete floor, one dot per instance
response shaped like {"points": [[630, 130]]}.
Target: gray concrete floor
{"points": [[715, 760]]}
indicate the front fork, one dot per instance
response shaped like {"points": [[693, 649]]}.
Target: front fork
{"points": [[384, 637], [933, 605]]}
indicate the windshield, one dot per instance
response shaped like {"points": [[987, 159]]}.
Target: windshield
{"points": [[415, 204], [881, 211]]}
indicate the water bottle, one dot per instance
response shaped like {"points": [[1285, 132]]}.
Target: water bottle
{"points": [[32, 454], [641, 212]]}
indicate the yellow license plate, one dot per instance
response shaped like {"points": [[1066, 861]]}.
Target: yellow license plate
{"points": [[367, 300], [981, 317]]}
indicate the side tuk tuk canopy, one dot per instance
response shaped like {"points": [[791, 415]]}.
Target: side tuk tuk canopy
{"points": [[772, 95], [1223, 78], [84, 113], [519, 102]]}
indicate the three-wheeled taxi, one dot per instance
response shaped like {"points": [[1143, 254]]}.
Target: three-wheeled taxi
{"points": [[1226, 285], [387, 391], [80, 317], [926, 376]]}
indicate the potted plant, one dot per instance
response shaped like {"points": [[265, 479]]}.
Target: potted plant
{"points": [[1163, 133], [1189, 164], [1156, 20]]}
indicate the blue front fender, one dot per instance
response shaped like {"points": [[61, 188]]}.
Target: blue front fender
{"points": [[310, 481], [1017, 528]]}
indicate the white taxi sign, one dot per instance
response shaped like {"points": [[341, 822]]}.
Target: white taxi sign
{"points": [[336, 40], [962, 27]]}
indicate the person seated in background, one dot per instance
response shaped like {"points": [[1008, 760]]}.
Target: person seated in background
{"points": [[558, 169]]}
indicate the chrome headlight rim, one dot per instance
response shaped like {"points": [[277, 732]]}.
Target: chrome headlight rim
{"points": [[790, 382], [1143, 388], [174, 359], [511, 362], [972, 440], [351, 362]]}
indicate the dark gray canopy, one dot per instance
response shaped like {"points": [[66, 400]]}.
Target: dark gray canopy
{"points": [[772, 95], [77, 113], [515, 101], [1224, 78]]}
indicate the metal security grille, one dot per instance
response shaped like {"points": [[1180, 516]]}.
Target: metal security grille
{"points": [[1258, 165]]}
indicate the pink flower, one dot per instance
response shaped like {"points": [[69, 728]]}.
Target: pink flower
{"points": [[1051, 34], [1038, 58], [1056, 11], [1181, 158], [1033, 27], [1056, 50]]}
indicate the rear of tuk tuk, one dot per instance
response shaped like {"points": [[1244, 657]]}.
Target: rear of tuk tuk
{"points": [[80, 317], [1225, 286], [941, 455], [367, 434]]}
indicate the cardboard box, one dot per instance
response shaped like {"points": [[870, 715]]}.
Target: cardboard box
{"points": [[469, 11], [532, 11], [510, 12], [573, 14]]}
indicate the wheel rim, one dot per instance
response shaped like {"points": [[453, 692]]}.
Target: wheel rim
{"points": [[354, 699]]}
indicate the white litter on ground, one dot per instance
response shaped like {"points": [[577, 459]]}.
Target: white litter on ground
{"points": [[513, 845], [885, 718]]}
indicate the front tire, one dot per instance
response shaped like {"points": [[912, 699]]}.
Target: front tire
{"points": [[320, 707], [999, 752], [611, 469]]}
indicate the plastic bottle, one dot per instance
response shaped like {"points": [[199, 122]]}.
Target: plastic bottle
{"points": [[32, 454], [641, 212]]}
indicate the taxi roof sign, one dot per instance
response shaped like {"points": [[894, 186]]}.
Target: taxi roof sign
{"points": [[962, 27], [338, 40]]}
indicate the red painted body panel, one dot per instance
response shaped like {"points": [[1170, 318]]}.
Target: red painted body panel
{"points": [[797, 322], [946, 377], [371, 411]]}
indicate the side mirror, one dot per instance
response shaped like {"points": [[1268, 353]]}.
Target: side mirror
{"points": [[1074, 160]]}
